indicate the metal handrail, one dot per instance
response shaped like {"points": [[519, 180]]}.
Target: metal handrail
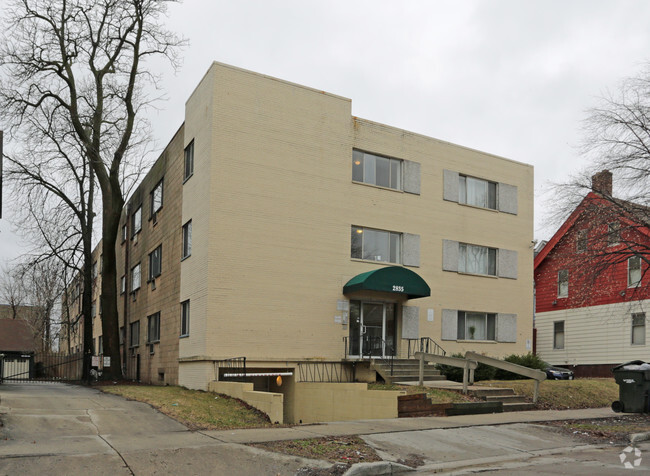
{"points": [[371, 343], [235, 363], [430, 346], [381, 344], [413, 346]]}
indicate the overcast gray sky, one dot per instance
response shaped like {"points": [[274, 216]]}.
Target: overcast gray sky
{"points": [[509, 77]]}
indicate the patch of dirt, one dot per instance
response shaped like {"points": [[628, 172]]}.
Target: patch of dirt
{"points": [[614, 430], [337, 449], [343, 451]]}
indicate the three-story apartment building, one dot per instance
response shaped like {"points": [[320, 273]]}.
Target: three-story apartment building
{"points": [[279, 227]]}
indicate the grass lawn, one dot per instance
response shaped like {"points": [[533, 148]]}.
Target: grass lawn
{"points": [[564, 394], [436, 395], [195, 409]]}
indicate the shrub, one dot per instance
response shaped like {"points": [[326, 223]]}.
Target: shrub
{"points": [[529, 360], [482, 372]]}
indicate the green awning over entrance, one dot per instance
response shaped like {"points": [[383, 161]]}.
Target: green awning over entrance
{"points": [[391, 279]]}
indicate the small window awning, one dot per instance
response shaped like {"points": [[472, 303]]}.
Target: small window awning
{"points": [[391, 279]]}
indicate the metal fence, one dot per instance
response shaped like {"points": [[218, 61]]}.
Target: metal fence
{"points": [[42, 367]]}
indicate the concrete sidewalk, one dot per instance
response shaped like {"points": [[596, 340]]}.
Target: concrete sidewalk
{"points": [[370, 427]]}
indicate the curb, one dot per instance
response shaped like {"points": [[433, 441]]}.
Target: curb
{"points": [[377, 469], [638, 437]]}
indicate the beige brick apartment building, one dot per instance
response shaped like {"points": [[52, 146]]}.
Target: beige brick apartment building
{"points": [[278, 227]]}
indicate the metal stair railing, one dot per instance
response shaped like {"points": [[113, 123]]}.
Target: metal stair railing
{"points": [[381, 348], [430, 346], [374, 347]]}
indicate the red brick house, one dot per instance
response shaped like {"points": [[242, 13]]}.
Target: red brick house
{"points": [[592, 291]]}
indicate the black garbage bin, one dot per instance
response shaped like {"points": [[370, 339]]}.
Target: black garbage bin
{"points": [[633, 379]]}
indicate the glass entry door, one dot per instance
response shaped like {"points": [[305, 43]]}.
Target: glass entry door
{"points": [[372, 329]]}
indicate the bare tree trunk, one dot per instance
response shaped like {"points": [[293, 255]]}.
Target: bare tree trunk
{"points": [[112, 210]]}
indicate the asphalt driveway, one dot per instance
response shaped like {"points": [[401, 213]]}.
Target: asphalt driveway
{"points": [[60, 429]]}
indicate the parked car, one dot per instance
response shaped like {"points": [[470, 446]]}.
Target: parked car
{"points": [[558, 373]]}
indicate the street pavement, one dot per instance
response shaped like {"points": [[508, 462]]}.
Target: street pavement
{"points": [[65, 429]]}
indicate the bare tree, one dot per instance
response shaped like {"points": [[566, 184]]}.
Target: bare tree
{"points": [[614, 222], [38, 286], [54, 199], [11, 291], [84, 64]]}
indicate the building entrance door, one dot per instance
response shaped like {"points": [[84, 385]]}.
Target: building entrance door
{"points": [[372, 329]]}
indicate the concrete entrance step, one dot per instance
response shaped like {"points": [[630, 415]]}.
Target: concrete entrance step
{"points": [[506, 398], [488, 391], [518, 407]]}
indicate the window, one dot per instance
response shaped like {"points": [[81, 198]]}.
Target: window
{"points": [[135, 277], [135, 334], [563, 283], [189, 161], [153, 328], [376, 170], [94, 269], [477, 192], [123, 284], [187, 239], [638, 328], [122, 335], [124, 233], [155, 263], [93, 309], [157, 198], [376, 245], [581, 241], [475, 259], [633, 271], [476, 326], [136, 221], [185, 318], [100, 341], [613, 234], [558, 335]]}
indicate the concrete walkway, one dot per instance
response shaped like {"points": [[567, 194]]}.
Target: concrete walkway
{"points": [[369, 427]]}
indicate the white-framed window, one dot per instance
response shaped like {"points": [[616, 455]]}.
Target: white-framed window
{"points": [[136, 221], [185, 318], [633, 271], [122, 334], [94, 269], [123, 284], [100, 344], [189, 161], [613, 234], [157, 198], [563, 283], [134, 334], [476, 326], [153, 328], [376, 245], [638, 328], [155, 263], [135, 277], [477, 192], [124, 233], [376, 170], [558, 335], [474, 259], [187, 240]]}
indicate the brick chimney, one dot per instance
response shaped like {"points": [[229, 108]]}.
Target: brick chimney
{"points": [[602, 183]]}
